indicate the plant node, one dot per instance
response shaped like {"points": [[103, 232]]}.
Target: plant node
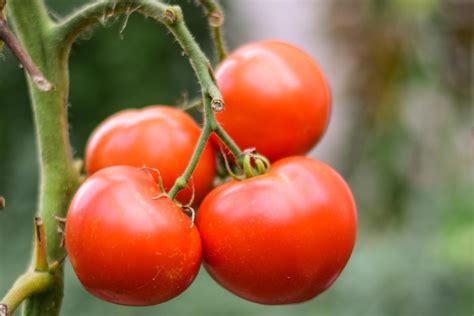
{"points": [[181, 182], [3, 310], [217, 105], [172, 15], [216, 19]]}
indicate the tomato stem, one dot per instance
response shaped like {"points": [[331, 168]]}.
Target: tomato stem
{"points": [[215, 18], [28, 284], [191, 105], [23, 57], [227, 140], [210, 125], [35, 281], [182, 181], [36, 32]]}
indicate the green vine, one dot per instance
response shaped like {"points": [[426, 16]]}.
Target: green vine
{"points": [[215, 18], [48, 45]]}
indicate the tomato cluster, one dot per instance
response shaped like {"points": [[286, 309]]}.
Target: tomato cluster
{"points": [[281, 237]]}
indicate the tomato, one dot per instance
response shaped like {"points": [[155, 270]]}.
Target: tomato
{"points": [[276, 99], [158, 137], [279, 238], [125, 246]]}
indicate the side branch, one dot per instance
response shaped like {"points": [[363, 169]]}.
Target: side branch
{"points": [[7, 36], [27, 285], [172, 17], [215, 18], [98, 12], [37, 280]]}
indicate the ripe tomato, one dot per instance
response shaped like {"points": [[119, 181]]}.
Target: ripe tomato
{"points": [[279, 238], [159, 137], [276, 99], [125, 246]]}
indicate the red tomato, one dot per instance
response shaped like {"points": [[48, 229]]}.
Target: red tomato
{"points": [[159, 137], [125, 246], [276, 99], [279, 238]]}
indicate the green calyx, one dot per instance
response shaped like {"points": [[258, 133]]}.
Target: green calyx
{"points": [[254, 164], [250, 164]]}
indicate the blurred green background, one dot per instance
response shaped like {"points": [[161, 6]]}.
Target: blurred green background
{"points": [[401, 134]]}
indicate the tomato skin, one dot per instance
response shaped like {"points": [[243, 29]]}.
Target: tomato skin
{"points": [[159, 137], [276, 99], [279, 238], [125, 246]]}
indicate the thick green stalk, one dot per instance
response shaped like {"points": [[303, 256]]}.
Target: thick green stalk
{"points": [[58, 177]]}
